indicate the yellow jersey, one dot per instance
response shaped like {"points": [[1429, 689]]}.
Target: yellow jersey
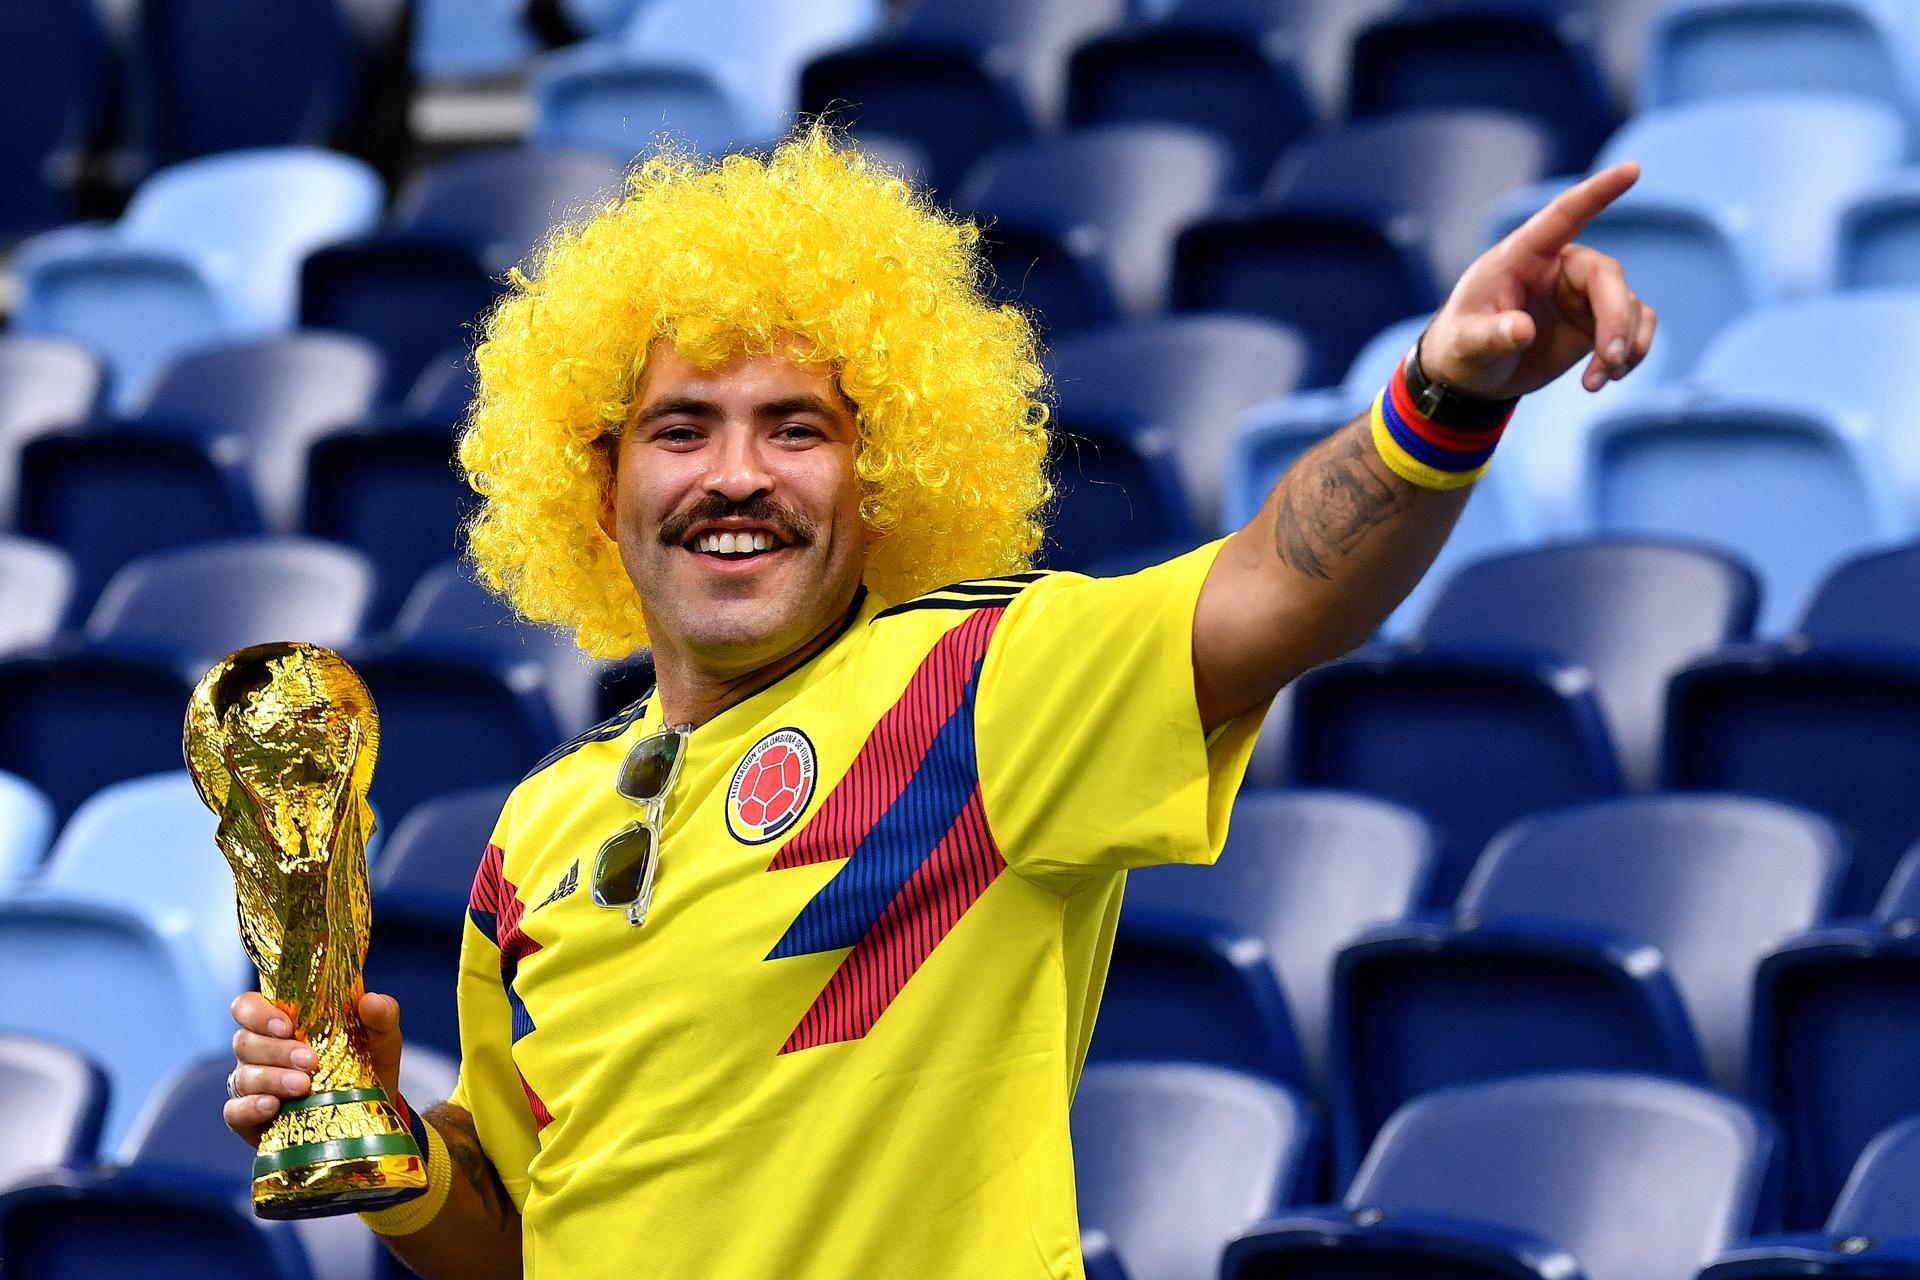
{"points": [[845, 1040]]}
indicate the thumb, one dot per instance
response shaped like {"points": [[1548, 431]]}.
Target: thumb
{"points": [[381, 1017], [1492, 335]]}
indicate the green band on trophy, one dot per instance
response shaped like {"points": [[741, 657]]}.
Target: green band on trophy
{"points": [[379, 1144], [333, 1098]]}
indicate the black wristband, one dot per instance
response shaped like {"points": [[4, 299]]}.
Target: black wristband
{"points": [[1448, 406]]}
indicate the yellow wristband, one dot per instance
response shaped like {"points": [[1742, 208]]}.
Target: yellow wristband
{"points": [[405, 1219], [1410, 468]]}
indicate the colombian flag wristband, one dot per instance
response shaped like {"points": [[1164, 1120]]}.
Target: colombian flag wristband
{"points": [[1424, 452], [405, 1219]]}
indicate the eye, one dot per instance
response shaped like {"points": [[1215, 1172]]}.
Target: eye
{"points": [[677, 435], [796, 431]]}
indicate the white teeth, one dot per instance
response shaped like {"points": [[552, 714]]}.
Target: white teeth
{"points": [[762, 542], [727, 543], [734, 543]]}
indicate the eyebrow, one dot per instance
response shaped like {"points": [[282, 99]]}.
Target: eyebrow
{"points": [[690, 407]]}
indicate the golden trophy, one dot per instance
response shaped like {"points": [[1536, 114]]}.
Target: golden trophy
{"points": [[281, 739]]}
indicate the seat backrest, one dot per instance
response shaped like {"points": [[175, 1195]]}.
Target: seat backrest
{"points": [[1304, 872], [1870, 601], [1171, 1160], [1779, 166], [1878, 1198], [36, 587], [26, 830], [52, 1100], [1714, 882], [432, 855], [502, 202], [1029, 39], [1441, 169], [55, 92], [198, 604], [1899, 904], [1631, 612], [1638, 1178], [1191, 375], [1880, 236], [46, 382]]}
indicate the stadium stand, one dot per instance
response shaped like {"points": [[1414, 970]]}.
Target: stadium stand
{"points": [[57, 95], [26, 830], [45, 384], [36, 589], [52, 1101], [1880, 236], [461, 40]]}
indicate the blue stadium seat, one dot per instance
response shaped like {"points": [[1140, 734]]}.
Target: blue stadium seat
{"points": [[45, 384], [1532, 59], [36, 590], [191, 607], [1543, 1177], [87, 1227], [958, 76], [599, 17], [26, 830], [56, 92], [718, 74], [1785, 446], [1232, 963], [1080, 224], [462, 40], [1833, 1029], [1702, 49], [1873, 1229], [420, 891], [315, 73], [1171, 1160], [1382, 214], [1869, 602], [52, 1102], [208, 251], [73, 723], [1880, 235], [416, 288], [1774, 170], [1614, 936], [1186, 377], [1259, 74]]}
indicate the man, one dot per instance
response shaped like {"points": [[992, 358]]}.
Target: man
{"points": [[791, 968]]}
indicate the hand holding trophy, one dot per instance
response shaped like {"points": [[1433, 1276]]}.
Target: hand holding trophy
{"points": [[281, 741]]}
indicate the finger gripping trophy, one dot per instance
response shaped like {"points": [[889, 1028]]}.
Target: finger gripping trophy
{"points": [[281, 740]]}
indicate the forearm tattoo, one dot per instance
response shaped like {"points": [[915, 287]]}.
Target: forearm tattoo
{"points": [[463, 1147], [1330, 498]]}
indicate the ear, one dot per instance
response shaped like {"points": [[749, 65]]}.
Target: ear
{"points": [[609, 490]]}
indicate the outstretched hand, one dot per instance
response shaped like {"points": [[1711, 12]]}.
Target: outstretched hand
{"points": [[1533, 305]]}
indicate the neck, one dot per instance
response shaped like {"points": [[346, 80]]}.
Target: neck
{"points": [[693, 693]]}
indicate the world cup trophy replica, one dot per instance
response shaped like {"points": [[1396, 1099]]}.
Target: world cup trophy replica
{"points": [[281, 740]]}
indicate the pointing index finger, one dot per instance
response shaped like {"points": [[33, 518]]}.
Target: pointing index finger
{"points": [[1564, 217]]}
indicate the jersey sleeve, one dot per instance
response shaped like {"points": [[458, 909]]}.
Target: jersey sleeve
{"points": [[1087, 727], [489, 1086]]}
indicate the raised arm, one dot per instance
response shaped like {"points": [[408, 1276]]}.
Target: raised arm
{"points": [[1348, 530]]}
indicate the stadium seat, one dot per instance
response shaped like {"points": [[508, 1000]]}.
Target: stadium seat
{"points": [[87, 1227], [461, 40], [1172, 1160], [1186, 377], [1880, 235], [56, 93], [420, 891], [1602, 1177], [1786, 446], [1232, 963], [1700, 49], [598, 17], [36, 590], [1621, 935], [1774, 170], [71, 724], [958, 76], [191, 607], [717, 74], [52, 1102], [1383, 214], [416, 288], [45, 384], [1535, 60], [1833, 1029], [1870, 602], [26, 830], [315, 73], [1080, 224], [1258, 74]]}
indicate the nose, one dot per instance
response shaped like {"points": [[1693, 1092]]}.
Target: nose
{"points": [[737, 469]]}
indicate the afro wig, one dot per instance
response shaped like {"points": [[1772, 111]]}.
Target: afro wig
{"points": [[812, 240]]}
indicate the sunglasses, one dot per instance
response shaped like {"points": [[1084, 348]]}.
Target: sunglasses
{"points": [[624, 872]]}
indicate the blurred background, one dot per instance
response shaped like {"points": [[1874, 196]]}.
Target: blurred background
{"points": [[1567, 928]]}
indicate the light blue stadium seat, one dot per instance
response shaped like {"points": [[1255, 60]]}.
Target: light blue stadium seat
{"points": [[208, 251], [1699, 49], [719, 74], [1873, 1230], [1545, 1178], [45, 384], [1621, 935], [1871, 602], [52, 1101], [36, 589], [1788, 446], [1080, 224], [26, 830], [1775, 170], [1880, 235], [1232, 963], [462, 39], [1171, 1160], [600, 17]]}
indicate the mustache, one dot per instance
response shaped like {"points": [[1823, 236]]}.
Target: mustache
{"points": [[788, 523]]}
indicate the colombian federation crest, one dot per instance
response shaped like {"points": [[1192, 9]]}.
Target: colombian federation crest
{"points": [[771, 787]]}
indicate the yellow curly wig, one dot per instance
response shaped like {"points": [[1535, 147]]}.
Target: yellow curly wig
{"points": [[721, 256]]}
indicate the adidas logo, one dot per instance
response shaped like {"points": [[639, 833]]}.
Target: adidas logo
{"points": [[568, 883]]}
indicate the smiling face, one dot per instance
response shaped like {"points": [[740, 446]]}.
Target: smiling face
{"points": [[736, 507]]}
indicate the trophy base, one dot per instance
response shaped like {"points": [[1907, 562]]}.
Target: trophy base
{"points": [[332, 1188]]}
